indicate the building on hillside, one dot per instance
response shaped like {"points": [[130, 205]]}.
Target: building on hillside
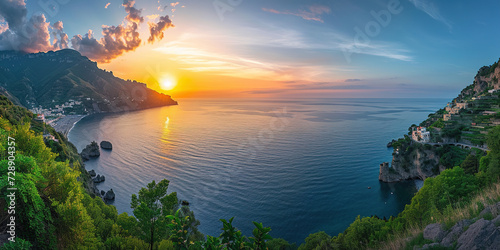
{"points": [[40, 118], [446, 117], [420, 134]]}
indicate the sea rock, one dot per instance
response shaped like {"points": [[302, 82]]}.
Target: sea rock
{"points": [[110, 195], [90, 151], [103, 193], [92, 173], [106, 145], [185, 203], [483, 234], [390, 143], [434, 232], [99, 179]]}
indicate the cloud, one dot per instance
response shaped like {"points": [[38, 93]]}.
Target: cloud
{"points": [[432, 10], [60, 38], [119, 39], [134, 15], [28, 35], [116, 40], [107, 5], [313, 13], [353, 80], [153, 17], [156, 29]]}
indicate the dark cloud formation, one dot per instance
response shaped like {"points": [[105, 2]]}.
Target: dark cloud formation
{"points": [[35, 34], [353, 80], [156, 29], [29, 35], [134, 15], [116, 40], [119, 39]]}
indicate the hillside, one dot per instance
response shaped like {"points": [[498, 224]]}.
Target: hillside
{"points": [[454, 132], [54, 78]]}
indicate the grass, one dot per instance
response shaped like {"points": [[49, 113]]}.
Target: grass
{"points": [[450, 216]]}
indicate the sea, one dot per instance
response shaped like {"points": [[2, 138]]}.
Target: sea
{"points": [[298, 166]]}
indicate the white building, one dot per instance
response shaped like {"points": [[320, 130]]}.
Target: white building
{"points": [[420, 134]]}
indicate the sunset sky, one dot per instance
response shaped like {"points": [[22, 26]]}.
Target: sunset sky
{"points": [[273, 49]]}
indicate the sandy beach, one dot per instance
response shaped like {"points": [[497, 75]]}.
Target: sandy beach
{"points": [[66, 123]]}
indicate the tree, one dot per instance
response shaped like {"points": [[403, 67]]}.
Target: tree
{"points": [[493, 139], [260, 236], [151, 207], [316, 241], [470, 164]]}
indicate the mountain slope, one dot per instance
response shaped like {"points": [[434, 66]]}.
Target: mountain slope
{"points": [[53, 78]]}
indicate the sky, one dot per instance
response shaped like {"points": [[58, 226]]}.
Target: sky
{"points": [[269, 49]]}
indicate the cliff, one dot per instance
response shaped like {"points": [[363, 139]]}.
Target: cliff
{"points": [[465, 121], [411, 161]]}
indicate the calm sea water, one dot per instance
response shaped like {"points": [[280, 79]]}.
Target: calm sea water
{"points": [[298, 166]]}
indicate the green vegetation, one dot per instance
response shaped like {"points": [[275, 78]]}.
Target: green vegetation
{"points": [[487, 70], [58, 213]]}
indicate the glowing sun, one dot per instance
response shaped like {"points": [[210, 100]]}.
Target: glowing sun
{"points": [[167, 84]]}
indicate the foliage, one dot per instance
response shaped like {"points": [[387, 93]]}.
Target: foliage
{"points": [[471, 164], [438, 124], [450, 156], [260, 236], [279, 244], [151, 207], [319, 240], [18, 244]]}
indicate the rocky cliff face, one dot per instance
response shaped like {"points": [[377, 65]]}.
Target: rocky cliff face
{"points": [[488, 77], [410, 162]]}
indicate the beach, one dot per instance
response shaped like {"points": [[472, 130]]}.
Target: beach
{"points": [[65, 123]]}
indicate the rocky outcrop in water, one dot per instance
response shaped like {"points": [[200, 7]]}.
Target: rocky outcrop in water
{"points": [[99, 179], [410, 161], [106, 145], [110, 195], [90, 151]]}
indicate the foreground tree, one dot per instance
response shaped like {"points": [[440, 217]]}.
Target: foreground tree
{"points": [[151, 206]]}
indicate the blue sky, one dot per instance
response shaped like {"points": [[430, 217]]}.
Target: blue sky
{"points": [[428, 48]]}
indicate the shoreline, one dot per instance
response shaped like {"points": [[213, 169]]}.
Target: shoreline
{"points": [[66, 123]]}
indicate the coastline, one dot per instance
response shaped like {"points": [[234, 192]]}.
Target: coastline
{"points": [[66, 123]]}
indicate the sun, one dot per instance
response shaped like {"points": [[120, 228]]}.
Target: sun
{"points": [[167, 84]]}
